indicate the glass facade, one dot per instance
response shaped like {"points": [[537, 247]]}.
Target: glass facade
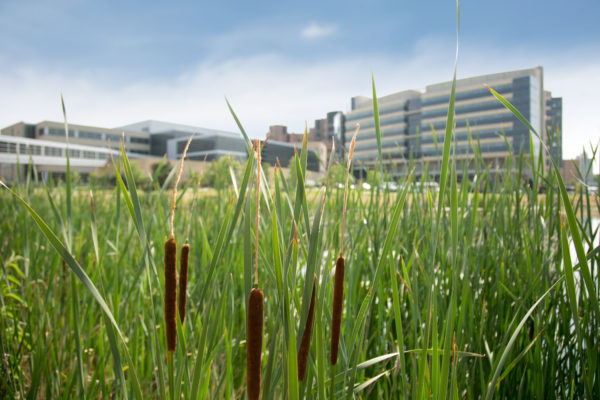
{"points": [[479, 119]]}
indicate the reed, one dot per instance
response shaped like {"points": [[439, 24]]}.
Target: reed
{"points": [[340, 269], [254, 320], [171, 267]]}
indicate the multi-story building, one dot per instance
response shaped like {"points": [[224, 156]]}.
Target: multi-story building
{"points": [[397, 113], [136, 142], [553, 111], [320, 137], [45, 145], [413, 123]]}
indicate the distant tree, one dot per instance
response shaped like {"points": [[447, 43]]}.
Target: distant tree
{"points": [[374, 177], [217, 174], [337, 174], [108, 179], [160, 172]]}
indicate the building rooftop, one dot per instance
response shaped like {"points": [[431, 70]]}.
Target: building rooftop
{"points": [[154, 127]]}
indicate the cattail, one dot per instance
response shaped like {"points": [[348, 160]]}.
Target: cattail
{"points": [[340, 268], [336, 313], [254, 326], [171, 266], [305, 343], [254, 319], [183, 276], [170, 293]]}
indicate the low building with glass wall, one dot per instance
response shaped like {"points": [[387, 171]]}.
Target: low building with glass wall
{"points": [[137, 142]]}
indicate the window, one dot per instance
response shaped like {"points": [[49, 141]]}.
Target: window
{"points": [[52, 151], [90, 135], [139, 140], [74, 153], [6, 147], [56, 132]]}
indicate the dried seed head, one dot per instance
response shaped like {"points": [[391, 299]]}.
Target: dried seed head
{"points": [[305, 343], [336, 313], [171, 293], [183, 278], [254, 326], [350, 154], [177, 177]]}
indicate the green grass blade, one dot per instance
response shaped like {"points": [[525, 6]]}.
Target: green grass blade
{"points": [[506, 352], [377, 126], [82, 276]]}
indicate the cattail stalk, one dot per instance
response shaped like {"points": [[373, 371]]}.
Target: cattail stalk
{"points": [[254, 320], [340, 269], [305, 343], [350, 154], [171, 268], [257, 145], [183, 278]]}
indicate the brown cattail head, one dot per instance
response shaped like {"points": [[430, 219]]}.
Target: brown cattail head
{"points": [[254, 326], [336, 313], [183, 277], [305, 343], [171, 293]]}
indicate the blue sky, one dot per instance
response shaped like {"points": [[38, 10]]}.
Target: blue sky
{"points": [[280, 62]]}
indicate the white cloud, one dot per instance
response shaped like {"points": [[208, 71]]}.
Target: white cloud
{"points": [[269, 89], [316, 31]]}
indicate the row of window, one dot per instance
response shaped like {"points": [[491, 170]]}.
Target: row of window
{"points": [[50, 151], [475, 134], [471, 94], [384, 144], [93, 135], [467, 148], [370, 133], [487, 119], [383, 121], [383, 110], [469, 108]]}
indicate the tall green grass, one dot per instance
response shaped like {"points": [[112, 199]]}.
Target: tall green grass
{"points": [[471, 293]]}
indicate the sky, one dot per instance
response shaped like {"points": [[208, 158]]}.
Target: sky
{"points": [[281, 62]]}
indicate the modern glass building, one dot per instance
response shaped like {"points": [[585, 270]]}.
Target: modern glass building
{"points": [[413, 123], [396, 119], [553, 112]]}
